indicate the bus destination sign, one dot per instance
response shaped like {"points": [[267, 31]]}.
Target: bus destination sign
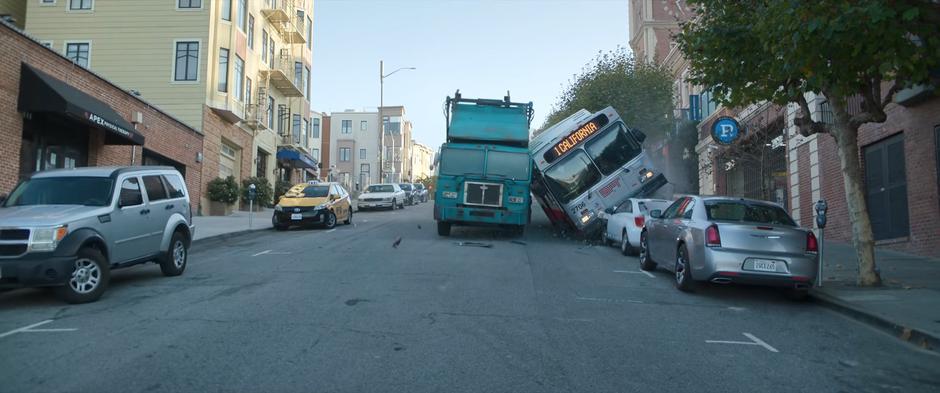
{"points": [[575, 138]]}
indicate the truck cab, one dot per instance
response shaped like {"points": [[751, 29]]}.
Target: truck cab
{"points": [[484, 171]]}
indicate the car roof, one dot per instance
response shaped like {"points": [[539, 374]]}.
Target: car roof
{"points": [[99, 171]]}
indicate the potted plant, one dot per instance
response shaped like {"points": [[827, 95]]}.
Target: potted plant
{"points": [[222, 193], [264, 194]]}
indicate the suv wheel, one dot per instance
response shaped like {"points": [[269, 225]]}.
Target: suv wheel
{"points": [[174, 262], [89, 279], [330, 221]]}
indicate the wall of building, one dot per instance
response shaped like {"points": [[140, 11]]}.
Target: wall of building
{"points": [[216, 130], [15, 9], [326, 147], [357, 139], [164, 134]]}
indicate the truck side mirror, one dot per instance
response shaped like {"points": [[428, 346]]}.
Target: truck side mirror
{"points": [[656, 213]]}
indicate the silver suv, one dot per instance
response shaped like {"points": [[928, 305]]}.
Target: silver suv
{"points": [[68, 228]]}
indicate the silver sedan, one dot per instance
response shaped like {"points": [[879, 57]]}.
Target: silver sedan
{"points": [[730, 240]]}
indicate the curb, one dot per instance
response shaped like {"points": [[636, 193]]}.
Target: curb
{"points": [[226, 236], [909, 335]]}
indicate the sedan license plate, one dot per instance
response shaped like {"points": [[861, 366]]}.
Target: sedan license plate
{"points": [[765, 265], [296, 216]]}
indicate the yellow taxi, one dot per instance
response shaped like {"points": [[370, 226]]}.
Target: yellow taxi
{"points": [[321, 203]]}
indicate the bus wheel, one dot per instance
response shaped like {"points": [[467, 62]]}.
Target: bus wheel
{"points": [[443, 228]]}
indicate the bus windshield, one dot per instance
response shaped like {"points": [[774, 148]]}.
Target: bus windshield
{"points": [[572, 176], [457, 162], [613, 149], [513, 166]]}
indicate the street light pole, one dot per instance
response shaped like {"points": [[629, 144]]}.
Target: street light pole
{"points": [[382, 76]]}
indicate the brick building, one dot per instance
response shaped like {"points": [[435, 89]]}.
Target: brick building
{"points": [[54, 114]]}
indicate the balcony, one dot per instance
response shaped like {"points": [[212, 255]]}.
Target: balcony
{"points": [[282, 77], [255, 116], [280, 13], [228, 109]]}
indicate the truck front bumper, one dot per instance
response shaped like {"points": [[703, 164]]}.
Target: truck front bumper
{"points": [[36, 270], [476, 215]]}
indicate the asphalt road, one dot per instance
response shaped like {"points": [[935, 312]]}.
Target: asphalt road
{"points": [[344, 311]]}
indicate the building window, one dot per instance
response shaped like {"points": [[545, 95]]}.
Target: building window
{"points": [[309, 33], [241, 10], [264, 46], [300, 20], [251, 31], [187, 61], [223, 70], [363, 125], [315, 153], [78, 52], [261, 168], [81, 5], [227, 150], [315, 133], [282, 117], [248, 91], [271, 112], [307, 82], [271, 50], [47, 2], [362, 154], [189, 4], [295, 128], [344, 153], [298, 75], [227, 10], [364, 168], [306, 135], [347, 127], [239, 76]]}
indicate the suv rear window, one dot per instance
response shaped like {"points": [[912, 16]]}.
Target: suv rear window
{"points": [[174, 185], [747, 212], [154, 186]]}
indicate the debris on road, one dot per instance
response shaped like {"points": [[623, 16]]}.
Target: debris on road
{"points": [[397, 242], [518, 242], [474, 244], [419, 226]]}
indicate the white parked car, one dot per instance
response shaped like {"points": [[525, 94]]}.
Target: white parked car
{"points": [[625, 222], [382, 196]]}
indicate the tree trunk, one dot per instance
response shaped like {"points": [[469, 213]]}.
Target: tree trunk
{"points": [[862, 236]]}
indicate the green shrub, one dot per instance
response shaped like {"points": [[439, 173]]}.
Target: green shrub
{"points": [[280, 188], [223, 190], [264, 192]]}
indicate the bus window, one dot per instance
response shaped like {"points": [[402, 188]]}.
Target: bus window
{"points": [[572, 176], [461, 161], [613, 149], [510, 165]]}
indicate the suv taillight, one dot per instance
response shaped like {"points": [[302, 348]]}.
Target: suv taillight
{"points": [[712, 237], [812, 245], [639, 221]]}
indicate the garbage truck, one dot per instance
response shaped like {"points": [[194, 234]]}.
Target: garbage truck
{"points": [[483, 169]]}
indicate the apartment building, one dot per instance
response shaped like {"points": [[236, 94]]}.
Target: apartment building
{"points": [[238, 71], [422, 158], [397, 160], [353, 149]]}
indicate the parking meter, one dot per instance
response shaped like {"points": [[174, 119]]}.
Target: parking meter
{"points": [[821, 208], [252, 192]]}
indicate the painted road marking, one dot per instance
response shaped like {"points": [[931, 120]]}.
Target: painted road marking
{"points": [[636, 272], [606, 300], [29, 329], [262, 253], [754, 341], [331, 230]]}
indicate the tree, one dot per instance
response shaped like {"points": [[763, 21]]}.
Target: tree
{"points": [[780, 50], [641, 93]]}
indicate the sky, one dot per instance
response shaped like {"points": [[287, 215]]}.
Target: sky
{"points": [[484, 48]]}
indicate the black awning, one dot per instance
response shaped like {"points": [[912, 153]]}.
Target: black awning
{"points": [[41, 93]]}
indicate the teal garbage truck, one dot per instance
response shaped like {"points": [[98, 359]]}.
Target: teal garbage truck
{"points": [[483, 169]]}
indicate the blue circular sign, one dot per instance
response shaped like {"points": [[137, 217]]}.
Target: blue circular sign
{"points": [[726, 130]]}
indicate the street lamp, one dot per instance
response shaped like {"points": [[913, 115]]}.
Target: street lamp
{"points": [[382, 76]]}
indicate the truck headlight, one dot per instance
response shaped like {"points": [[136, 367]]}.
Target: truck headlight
{"points": [[449, 194], [516, 199], [46, 239], [586, 216], [645, 174]]}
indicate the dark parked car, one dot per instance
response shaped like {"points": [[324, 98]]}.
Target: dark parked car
{"points": [[409, 190]]}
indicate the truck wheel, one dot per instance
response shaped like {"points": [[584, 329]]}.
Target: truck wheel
{"points": [[174, 262], [89, 279], [443, 228]]}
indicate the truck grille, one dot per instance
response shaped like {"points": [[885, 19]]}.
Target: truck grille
{"points": [[12, 250], [14, 234], [483, 194]]}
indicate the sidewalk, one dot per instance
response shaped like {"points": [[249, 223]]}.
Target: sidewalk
{"points": [[237, 222], [908, 304]]}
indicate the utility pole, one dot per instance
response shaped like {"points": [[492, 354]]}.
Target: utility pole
{"points": [[381, 121]]}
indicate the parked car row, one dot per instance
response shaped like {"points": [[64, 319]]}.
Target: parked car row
{"points": [[720, 240], [392, 196]]}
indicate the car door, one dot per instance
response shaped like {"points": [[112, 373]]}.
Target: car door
{"points": [[678, 224], [659, 234], [130, 222], [344, 201], [160, 206], [619, 219]]}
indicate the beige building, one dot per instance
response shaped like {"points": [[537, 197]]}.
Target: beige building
{"points": [[397, 161], [354, 149], [236, 70], [422, 157]]}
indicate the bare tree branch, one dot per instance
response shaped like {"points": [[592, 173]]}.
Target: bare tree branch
{"points": [[806, 124]]}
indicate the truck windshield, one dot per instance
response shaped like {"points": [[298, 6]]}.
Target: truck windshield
{"points": [[510, 165], [572, 176], [613, 149], [458, 162], [87, 191]]}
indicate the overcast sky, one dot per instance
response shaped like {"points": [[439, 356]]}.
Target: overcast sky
{"points": [[483, 48]]}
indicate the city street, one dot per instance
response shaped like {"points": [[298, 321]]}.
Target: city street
{"points": [[343, 310]]}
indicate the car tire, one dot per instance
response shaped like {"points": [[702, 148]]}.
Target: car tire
{"points": [[796, 295], [348, 219], [443, 228], [89, 284], [330, 221], [646, 261], [625, 247], [683, 271], [174, 262], [402, 205], [394, 204]]}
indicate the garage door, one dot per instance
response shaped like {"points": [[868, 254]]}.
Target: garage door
{"points": [[886, 188]]}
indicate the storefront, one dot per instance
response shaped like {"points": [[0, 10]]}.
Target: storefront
{"points": [[296, 166]]}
